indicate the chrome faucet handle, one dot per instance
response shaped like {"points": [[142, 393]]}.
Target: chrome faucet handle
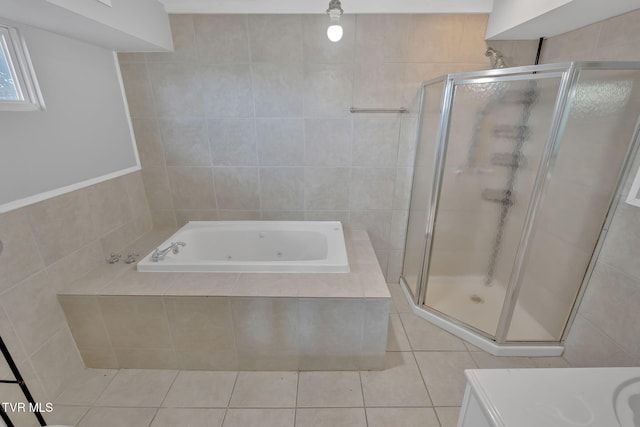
{"points": [[114, 258], [176, 246], [131, 258]]}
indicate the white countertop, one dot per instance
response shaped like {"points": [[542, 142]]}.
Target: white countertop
{"points": [[555, 397]]}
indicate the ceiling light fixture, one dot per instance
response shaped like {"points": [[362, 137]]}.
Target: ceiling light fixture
{"points": [[334, 32]]}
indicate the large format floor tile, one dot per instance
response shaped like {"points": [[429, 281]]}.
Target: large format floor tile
{"points": [[172, 417], [329, 389], [265, 390], [443, 373], [405, 417], [201, 389], [331, 417], [259, 418], [399, 384], [137, 388], [87, 387], [121, 417]]}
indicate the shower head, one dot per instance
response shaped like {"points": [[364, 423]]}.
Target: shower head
{"points": [[496, 57]]}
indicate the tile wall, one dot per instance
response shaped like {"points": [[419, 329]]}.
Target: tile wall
{"points": [[248, 118], [605, 332], [46, 246]]}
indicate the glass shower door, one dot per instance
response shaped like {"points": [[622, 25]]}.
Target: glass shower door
{"points": [[497, 132], [423, 173]]}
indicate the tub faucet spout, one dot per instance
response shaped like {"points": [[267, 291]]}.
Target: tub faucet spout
{"points": [[159, 254]]}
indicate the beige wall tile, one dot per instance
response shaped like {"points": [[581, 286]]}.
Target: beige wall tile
{"points": [[222, 38], [233, 142], [382, 38], [34, 295], [333, 345], [328, 89], [62, 224], [372, 188], [192, 188], [622, 29], [374, 335], [184, 216], [282, 188], [375, 142], [135, 322], [277, 89], [99, 357], [233, 215], [280, 142], [20, 257], [185, 141], [139, 90], [587, 346], [10, 338], [327, 188], [328, 142], [85, 320], [109, 204], [184, 42], [266, 333], [610, 302], [237, 188], [57, 362], [146, 358], [227, 90], [275, 38], [177, 89], [156, 183], [203, 325]]}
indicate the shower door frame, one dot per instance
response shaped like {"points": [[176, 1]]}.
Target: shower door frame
{"points": [[569, 74]]}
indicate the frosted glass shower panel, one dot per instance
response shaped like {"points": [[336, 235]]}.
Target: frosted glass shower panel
{"points": [[422, 183], [584, 169], [497, 133]]}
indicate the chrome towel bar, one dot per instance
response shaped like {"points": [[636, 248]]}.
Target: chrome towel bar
{"points": [[378, 110]]}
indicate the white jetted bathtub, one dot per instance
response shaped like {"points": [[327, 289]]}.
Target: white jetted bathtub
{"points": [[254, 246]]}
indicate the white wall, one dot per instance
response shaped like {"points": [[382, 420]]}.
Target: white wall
{"points": [[82, 136], [126, 26], [528, 20]]}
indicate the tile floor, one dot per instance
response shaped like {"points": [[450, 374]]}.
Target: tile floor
{"points": [[422, 385]]}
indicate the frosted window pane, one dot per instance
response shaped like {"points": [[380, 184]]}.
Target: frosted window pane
{"points": [[8, 91]]}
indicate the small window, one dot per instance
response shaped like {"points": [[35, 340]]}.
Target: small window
{"points": [[19, 89]]}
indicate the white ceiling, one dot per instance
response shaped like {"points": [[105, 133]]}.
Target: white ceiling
{"points": [[320, 6], [509, 19]]}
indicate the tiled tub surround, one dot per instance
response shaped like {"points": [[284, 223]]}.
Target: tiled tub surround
{"points": [[122, 318], [248, 118]]}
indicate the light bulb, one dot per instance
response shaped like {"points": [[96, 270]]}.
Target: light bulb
{"points": [[334, 32]]}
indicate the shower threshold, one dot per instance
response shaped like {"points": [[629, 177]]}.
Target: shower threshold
{"points": [[469, 300]]}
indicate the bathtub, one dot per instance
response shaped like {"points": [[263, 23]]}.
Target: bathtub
{"points": [[254, 246]]}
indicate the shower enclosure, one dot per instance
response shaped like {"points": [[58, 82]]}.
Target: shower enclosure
{"points": [[516, 174]]}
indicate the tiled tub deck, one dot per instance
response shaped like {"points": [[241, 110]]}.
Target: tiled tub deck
{"points": [[121, 318]]}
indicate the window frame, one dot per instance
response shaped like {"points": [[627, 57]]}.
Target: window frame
{"points": [[24, 78]]}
